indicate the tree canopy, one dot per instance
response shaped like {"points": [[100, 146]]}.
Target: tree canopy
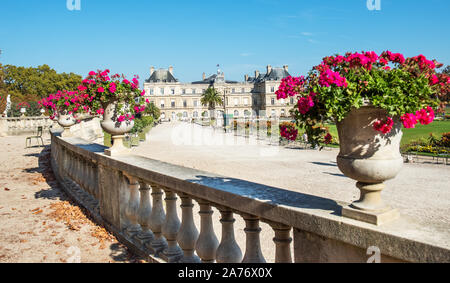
{"points": [[32, 84], [211, 98]]}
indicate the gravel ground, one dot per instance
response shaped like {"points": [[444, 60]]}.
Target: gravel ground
{"points": [[38, 222]]}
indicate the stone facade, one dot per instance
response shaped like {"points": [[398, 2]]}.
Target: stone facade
{"points": [[254, 97]]}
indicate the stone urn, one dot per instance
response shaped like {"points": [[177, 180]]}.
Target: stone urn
{"points": [[116, 129], [369, 157], [23, 110], [66, 121]]}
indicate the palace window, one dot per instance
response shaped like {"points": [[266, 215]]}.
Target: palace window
{"points": [[184, 103], [272, 101], [172, 91], [152, 91], [161, 91], [162, 103], [172, 103], [193, 91]]}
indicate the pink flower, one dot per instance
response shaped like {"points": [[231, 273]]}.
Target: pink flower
{"points": [[101, 111], [425, 116], [92, 73], [101, 90], [409, 120], [143, 93], [290, 86], [384, 126], [125, 81], [112, 87], [328, 78], [434, 80], [82, 88], [121, 119], [306, 103], [328, 138]]}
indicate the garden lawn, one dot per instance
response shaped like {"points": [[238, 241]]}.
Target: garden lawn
{"points": [[419, 132]]}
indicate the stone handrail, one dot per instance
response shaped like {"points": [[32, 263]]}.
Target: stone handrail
{"points": [[12, 126], [126, 192]]}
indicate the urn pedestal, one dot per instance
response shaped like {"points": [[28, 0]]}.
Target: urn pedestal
{"points": [[369, 157], [116, 129], [66, 121]]}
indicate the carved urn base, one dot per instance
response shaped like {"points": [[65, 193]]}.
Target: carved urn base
{"points": [[369, 157]]}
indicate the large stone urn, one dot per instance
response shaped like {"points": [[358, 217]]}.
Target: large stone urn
{"points": [[66, 121], [369, 157], [116, 129]]}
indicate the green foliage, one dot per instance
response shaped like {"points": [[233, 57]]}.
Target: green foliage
{"points": [[153, 111], [32, 84], [141, 123], [211, 98], [33, 111]]}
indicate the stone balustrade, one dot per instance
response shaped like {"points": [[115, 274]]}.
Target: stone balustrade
{"points": [[13, 126], [137, 198]]}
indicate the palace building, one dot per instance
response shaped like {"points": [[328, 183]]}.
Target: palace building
{"points": [[254, 97]]}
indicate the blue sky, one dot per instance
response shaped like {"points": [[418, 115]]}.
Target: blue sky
{"points": [[195, 35]]}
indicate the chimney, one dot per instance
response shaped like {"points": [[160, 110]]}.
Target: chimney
{"points": [[204, 76], [246, 78], [152, 70], [269, 69], [286, 68], [171, 70], [256, 74]]}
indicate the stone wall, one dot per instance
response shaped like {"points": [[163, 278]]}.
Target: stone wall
{"points": [[128, 192]]}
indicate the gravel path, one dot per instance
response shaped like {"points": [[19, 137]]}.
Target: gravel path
{"points": [[38, 222]]}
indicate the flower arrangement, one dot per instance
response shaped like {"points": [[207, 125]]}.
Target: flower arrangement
{"points": [[25, 105], [288, 131], [408, 89], [65, 103], [101, 89]]}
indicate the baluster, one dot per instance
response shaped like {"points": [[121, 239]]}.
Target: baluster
{"points": [[207, 242], [145, 210], [228, 250], [133, 207], [282, 242], [157, 219], [252, 230], [171, 227], [188, 234]]}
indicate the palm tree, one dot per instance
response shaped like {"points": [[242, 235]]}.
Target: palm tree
{"points": [[211, 98]]}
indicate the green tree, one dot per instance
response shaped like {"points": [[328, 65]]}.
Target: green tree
{"points": [[32, 84], [153, 111], [211, 98]]}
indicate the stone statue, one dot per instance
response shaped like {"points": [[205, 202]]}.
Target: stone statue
{"points": [[8, 105]]}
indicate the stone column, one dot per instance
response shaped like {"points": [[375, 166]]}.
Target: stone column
{"points": [[207, 242], [133, 208], [252, 230], [188, 234], [145, 210], [228, 250], [157, 219], [282, 242], [171, 227]]}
